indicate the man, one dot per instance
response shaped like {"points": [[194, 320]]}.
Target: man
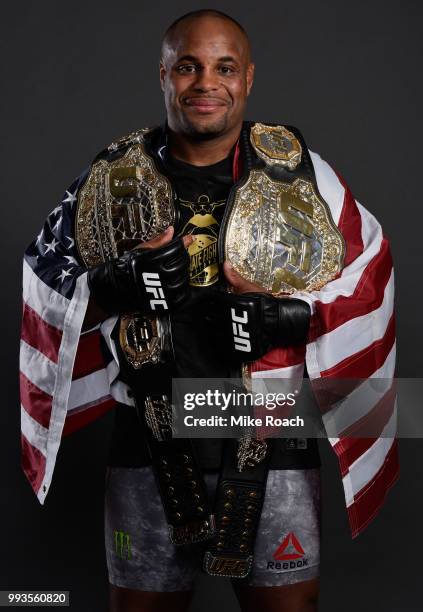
{"points": [[204, 149]]}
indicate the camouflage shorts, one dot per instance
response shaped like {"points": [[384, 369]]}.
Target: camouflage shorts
{"points": [[141, 556]]}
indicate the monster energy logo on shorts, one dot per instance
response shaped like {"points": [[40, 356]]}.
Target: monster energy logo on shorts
{"points": [[122, 544]]}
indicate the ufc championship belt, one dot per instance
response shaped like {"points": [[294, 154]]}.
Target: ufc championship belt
{"points": [[280, 233], [277, 232], [124, 201]]}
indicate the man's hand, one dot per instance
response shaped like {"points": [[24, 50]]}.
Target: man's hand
{"points": [[151, 278], [249, 321], [239, 284], [164, 238]]}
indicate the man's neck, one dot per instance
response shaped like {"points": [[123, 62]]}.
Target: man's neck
{"points": [[201, 152]]}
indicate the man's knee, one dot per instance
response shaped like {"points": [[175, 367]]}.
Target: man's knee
{"points": [[306, 600]]}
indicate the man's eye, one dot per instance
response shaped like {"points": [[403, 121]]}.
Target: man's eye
{"points": [[186, 68], [226, 69]]}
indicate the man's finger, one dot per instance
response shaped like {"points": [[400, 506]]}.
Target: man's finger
{"points": [[232, 276], [158, 241], [187, 240], [238, 283], [163, 239]]}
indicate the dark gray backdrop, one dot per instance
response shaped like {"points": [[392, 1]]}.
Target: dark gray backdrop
{"points": [[78, 74]]}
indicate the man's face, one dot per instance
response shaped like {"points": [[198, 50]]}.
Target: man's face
{"points": [[206, 76]]}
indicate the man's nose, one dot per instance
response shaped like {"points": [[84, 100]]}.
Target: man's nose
{"points": [[206, 80]]}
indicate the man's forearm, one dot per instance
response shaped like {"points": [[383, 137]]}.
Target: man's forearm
{"points": [[93, 315]]}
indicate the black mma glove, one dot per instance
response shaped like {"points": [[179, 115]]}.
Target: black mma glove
{"points": [[248, 325], [149, 281]]}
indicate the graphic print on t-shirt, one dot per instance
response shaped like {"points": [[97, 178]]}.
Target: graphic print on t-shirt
{"points": [[203, 251]]}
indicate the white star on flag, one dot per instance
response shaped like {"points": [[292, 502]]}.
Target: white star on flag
{"points": [[56, 210], [71, 240], [63, 275], [39, 237], [71, 260], [70, 197], [51, 246]]}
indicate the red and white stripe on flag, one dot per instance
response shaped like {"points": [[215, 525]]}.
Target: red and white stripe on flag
{"points": [[352, 335], [64, 382]]}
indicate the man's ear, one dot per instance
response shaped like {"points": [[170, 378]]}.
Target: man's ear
{"points": [[162, 71], [250, 77]]}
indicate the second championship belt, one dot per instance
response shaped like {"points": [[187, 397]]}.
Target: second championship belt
{"points": [[278, 232], [125, 201]]}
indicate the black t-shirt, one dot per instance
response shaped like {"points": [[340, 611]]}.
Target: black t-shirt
{"points": [[201, 196]]}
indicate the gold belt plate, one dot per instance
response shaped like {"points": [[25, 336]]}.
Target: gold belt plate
{"points": [[276, 145], [141, 339], [282, 235], [229, 567], [123, 202]]}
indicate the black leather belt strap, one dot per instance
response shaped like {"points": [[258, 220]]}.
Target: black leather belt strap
{"points": [[238, 505], [174, 462], [179, 480]]}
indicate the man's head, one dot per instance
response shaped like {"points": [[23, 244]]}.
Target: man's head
{"points": [[206, 74]]}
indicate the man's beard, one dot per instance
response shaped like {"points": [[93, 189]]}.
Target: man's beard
{"points": [[198, 131]]}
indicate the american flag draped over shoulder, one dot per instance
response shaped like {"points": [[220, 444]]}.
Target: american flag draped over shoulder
{"points": [[65, 376], [352, 335], [69, 379]]}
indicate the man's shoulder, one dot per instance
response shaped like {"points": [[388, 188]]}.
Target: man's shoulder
{"points": [[122, 143], [272, 126], [280, 145], [133, 137], [284, 134]]}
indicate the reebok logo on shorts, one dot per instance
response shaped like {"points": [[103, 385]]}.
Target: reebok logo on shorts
{"points": [[289, 555], [290, 548]]}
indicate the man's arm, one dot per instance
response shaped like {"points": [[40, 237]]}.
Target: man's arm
{"points": [[93, 315]]}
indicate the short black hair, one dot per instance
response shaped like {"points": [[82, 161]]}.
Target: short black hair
{"points": [[198, 14]]}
